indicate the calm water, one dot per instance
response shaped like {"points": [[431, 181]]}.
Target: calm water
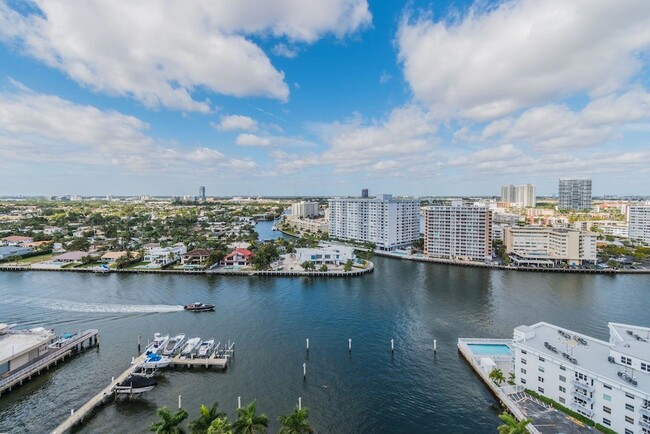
{"points": [[370, 391]]}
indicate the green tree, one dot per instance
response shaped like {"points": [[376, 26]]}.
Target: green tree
{"points": [[207, 415], [86, 259], [418, 244], [511, 426], [511, 378], [215, 257], [249, 422], [323, 268], [220, 425], [168, 423], [308, 265], [296, 422], [348, 265], [497, 376]]}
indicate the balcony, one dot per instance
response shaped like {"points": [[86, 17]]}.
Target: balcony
{"points": [[644, 423], [583, 397], [582, 410], [582, 385]]}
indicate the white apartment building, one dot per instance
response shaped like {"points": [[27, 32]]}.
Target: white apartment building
{"points": [[608, 382], [458, 231], [305, 209], [520, 196], [312, 225], [540, 245], [385, 221], [639, 223]]}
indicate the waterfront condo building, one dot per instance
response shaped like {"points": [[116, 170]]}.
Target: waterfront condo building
{"points": [[385, 221], [521, 196], [608, 382], [539, 245], [305, 209], [575, 194], [639, 223], [458, 231]]}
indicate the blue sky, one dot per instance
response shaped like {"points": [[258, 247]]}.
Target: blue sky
{"points": [[312, 97]]}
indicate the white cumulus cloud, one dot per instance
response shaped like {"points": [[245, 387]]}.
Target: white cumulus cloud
{"points": [[236, 122], [248, 139]]}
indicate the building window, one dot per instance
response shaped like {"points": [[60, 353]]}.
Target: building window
{"points": [[626, 360], [541, 359], [524, 352], [563, 378], [540, 379], [629, 395], [540, 368], [562, 389], [607, 410], [562, 400], [607, 422], [523, 371], [629, 419], [628, 431], [523, 361], [629, 407], [523, 380], [606, 397], [607, 386], [540, 389], [562, 368]]}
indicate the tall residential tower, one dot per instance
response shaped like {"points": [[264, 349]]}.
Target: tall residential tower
{"points": [[575, 194]]}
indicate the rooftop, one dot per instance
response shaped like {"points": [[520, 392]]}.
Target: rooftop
{"points": [[17, 342], [592, 354]]}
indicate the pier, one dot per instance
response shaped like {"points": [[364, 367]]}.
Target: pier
{"points": [[53, 357], [218, 359]]}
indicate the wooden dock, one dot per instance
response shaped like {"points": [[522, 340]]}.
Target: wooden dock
{"points": [[214, 361], [105, 394], [53, 357]]}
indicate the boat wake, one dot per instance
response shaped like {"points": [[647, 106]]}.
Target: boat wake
{"points": [[72, 306]]}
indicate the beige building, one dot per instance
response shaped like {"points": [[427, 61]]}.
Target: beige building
{"points": [[20, 347], [305, 209], [538, 245], [313, 226]]}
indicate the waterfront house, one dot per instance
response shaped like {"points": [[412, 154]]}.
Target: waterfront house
{"points": [[162, 256], [112, 257], [16, 240], [74, 256], [13, 251], [325, 255], [20, 347], [195, 257], [240, 257]]}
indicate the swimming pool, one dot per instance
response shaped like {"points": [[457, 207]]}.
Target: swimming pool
{"points": [[490, 349]]}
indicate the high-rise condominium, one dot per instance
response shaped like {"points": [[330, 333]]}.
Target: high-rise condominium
{"points": [[202, 192], [385, 221], [522, 196], [575, 194], [639, 223]]}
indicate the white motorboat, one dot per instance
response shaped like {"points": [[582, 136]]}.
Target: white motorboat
{"points": [[206, 348], [190, 346], [173, 345], [157, 344], [62, 340], [155, 361]]}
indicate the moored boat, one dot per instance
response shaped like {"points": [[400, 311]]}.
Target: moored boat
{"points": [[190, 346], [62, 340], [205, 348], [157, 344], [173, 345], [199, 307], [135, 384], [155, 361]]}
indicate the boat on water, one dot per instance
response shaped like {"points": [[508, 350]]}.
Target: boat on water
{"points": [[135, 384], [199, 307], [205, 348], [157, 344], [155, 361], [190, 346], [173, 345], [63, 340]]}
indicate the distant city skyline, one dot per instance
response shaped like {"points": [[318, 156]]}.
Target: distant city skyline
{"points": [[306, 97]]}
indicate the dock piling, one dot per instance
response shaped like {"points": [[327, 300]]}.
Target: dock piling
{"points": [[299, 403], [435, 345], [307, 344], [180, 397], [350, 345], [239, 402], [392, 346], [304, 371]]}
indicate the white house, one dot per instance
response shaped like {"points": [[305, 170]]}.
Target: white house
{"points": [[164, 255], [326, 254]]}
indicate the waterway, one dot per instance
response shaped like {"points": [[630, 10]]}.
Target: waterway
{"points": [[367, 391]]}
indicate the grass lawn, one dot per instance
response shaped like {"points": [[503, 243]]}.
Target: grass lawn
{"points": [[35, 259], [70, 265], [137, 264]]}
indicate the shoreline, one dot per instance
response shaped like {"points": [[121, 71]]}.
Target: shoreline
{"points": [[609, 271], [355, 272]]}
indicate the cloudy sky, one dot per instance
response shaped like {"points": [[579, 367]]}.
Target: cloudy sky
{"points": [[314, 97]]}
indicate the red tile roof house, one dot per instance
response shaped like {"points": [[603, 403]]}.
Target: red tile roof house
{"points": [[195, 257], [16, 240], [238, 257]]}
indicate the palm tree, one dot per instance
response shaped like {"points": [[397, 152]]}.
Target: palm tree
{"points": [[168, 423], [201, 424], [511, 426], [497, 376], [296, 422], [248, 422], [511, 378], [220, 426]]}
